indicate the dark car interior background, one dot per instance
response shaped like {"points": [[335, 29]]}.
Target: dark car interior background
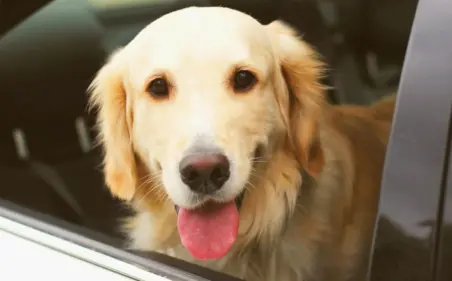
{"points": [[50, 51]]}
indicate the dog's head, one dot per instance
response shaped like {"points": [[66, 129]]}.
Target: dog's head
{"points": [[197, 104]]}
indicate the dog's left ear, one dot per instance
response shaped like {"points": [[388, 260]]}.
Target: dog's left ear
{"points": [[299, 93], [108, 95]]}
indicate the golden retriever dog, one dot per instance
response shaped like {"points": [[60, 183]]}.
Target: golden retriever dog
{"points": [[216, 131]]}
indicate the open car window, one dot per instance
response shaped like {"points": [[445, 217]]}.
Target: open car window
{"points": [[53, 200]]}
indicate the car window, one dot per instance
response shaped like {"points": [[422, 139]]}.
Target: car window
{"points": [[50, 165]]}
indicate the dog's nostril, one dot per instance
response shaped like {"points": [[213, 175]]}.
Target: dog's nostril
{"points": [[190, 174], [219, 175], [204, 173]]}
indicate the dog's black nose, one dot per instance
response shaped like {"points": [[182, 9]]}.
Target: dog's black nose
{"points": [[204, 173]]}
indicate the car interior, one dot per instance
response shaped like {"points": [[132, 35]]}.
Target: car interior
{"points": [[51, 50]]}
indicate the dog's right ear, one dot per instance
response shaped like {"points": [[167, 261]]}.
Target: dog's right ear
{"points": [[114, 120], [302, 104]]}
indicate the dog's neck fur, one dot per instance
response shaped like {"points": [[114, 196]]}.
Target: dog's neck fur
{"points": [[266, 253]]}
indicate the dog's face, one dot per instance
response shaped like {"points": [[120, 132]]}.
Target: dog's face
{"points": [[203, 103], [199, 98]]}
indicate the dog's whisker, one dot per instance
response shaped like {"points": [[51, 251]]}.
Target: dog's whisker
{"points": [[253, 173], [250, 186], [155, 175], [149, 179], [152, 184], [140, 186], [147, 193], [259, 158], [144, 177], [143, 181], [157, 190], [258, 162]]}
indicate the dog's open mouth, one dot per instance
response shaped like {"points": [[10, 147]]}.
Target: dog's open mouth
{"points": [[209, 232]]}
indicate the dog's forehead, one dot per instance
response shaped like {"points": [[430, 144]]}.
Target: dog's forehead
{"points": [[203, 20], [201, 35]]}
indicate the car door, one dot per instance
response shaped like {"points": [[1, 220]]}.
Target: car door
{"points": [[413, 231]]}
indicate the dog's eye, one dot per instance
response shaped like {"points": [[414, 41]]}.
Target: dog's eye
{"points": [[158, 88], [243, 80]]}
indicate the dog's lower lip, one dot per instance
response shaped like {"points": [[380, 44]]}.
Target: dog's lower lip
{"points": [[238, 202]]}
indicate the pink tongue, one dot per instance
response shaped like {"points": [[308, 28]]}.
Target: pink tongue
{"points": [[209, 232]]}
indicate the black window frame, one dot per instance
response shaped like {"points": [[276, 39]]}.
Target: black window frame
{"points": [[417, 160]]}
